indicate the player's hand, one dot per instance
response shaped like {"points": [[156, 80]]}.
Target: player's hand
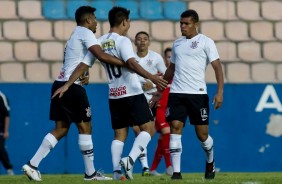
{"points": [[147, 85], [156, 96], [217, 101], [159, 81], [84, 79], [60, 91]]}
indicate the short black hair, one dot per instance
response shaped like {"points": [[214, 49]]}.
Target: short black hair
{"points": [[142, 32], [168, 49], [190, 13], [117, 15], [81, 12]]}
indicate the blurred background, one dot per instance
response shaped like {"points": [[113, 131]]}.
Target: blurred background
{"points": [[247, 129]]}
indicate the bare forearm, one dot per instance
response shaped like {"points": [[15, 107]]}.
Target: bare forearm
{"points": [[218, 75], [169, 73], [79, 70], [220, 81], [134, 66], [106, 58]]}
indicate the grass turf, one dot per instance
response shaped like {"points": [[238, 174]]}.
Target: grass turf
{"points": [[195, 178]]}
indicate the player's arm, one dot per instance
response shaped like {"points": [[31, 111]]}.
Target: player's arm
{"points": [[134, 66], [169, 73], [79, 71], [218, 98], [5, 112], [6, 130], [104, 57]]}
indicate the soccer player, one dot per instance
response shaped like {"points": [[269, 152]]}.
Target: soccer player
{"points": [[127, 102], [153, 63], [162, 126], [191, 53], [4, 133], [72, 105]]}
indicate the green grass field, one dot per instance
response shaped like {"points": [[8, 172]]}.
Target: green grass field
{"points": [[221, 178]]}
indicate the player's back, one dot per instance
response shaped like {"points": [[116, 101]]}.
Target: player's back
{"points": [[122, 81]]}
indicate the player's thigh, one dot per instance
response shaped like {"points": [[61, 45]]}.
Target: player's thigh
{"points": [[176, 108], [139, 110], [198, 109], [120, 113]]}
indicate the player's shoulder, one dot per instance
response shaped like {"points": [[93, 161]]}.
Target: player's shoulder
{"points": [[179, 40], [124, 38], [154, 53], [81, 31], [205, 38]]}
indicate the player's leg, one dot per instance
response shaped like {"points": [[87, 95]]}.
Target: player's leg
{"points": [[120, 136], [143, 156], [157, 157], [207, 144], [142, 117], [200, 118], [176, 116], [176, 148], [4, 157], [48, 143], [86, 147], [165, 133]]}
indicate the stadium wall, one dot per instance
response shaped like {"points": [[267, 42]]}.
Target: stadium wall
{"points": [[247, 130]]}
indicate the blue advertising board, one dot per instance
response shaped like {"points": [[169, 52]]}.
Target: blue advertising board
{"points": [[247, 131]]}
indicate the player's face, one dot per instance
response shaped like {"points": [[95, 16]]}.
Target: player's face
{"points": [[92, 23], [167, 58], [188, 27], [142, 42]]}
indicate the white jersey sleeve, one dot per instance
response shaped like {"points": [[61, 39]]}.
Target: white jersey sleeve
{"points": [[211, 50], [161, 64], [89, 59]]}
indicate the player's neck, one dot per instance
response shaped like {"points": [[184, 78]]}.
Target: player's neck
{"points": [[116, 30], [142, 54], [191, 35]]}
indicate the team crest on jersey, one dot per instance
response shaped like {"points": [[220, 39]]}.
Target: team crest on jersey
{"points": [[194, 45], [88, 112], [149, 62], [204, 114]]}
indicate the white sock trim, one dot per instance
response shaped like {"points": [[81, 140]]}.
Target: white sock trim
{"points": [[52, 139], [85, 139]]}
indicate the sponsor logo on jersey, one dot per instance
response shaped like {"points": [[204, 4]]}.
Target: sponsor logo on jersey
{"points": [[204, 114], [108, 45], [118, 91]]}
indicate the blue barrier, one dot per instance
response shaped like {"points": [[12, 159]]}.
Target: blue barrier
{"points": [[247, 131]]}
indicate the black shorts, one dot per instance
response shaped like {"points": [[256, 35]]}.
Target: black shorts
{"points": [[129, 111], [196, 106], [72, 107]]}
